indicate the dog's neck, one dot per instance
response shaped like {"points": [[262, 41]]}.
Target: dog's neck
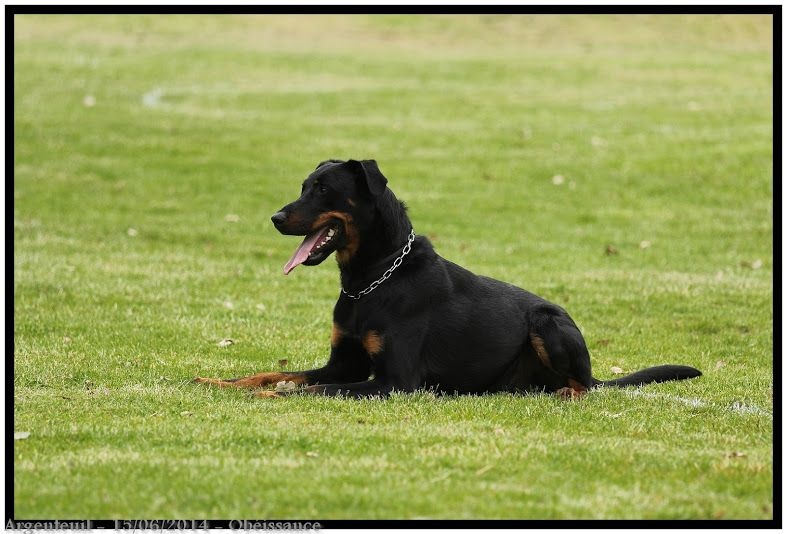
{"points": [[379, 245]]}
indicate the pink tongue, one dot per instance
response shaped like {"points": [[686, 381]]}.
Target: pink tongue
{"points": [[303, 251]]}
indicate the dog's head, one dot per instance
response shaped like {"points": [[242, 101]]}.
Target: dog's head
{"points": [[336, 200]]}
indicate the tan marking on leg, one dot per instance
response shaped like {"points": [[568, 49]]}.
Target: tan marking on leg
{"points": [[336, 335], [372, 342], [541, 351], [254, 381]]}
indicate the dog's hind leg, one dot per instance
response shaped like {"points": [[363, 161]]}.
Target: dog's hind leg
{"points": [[561, 352]]}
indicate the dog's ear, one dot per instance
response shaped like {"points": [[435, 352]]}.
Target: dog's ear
{"points": [[374, 179], [327, 161]]}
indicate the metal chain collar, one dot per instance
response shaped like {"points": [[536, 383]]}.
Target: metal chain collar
{"points": [[397, 262]]}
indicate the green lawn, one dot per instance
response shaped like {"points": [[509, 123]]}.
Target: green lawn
{"points": [[151, 151]]}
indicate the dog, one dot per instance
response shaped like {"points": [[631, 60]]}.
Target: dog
{"points": [[408, 319]]}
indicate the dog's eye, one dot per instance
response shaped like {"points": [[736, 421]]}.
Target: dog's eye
{"points": [[322, 188]]}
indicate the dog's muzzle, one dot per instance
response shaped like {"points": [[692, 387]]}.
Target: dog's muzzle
{"points": [[278, 218]]}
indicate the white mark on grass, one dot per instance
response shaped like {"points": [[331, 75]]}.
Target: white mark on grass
{"points": [[756, 264], [199, 100], [692, 403], [683, 282], [742, 408], [100, 390], [225, 343], [442, 477], [737, 407], [113, 456], [156, 99], [152, 99], [484, 469], [21, 435]]}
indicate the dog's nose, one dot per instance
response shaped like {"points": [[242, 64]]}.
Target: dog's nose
{"points": [[279, 218]]}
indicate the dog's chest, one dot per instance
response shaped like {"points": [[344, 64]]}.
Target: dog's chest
{"points": [[352, 318]]}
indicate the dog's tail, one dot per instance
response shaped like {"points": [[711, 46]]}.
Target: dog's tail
{"points": [[660, 373]]}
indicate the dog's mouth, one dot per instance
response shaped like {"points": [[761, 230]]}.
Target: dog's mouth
{"points": [[315, 247]]}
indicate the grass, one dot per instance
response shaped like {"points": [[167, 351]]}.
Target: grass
{"points": [[151, 151]]}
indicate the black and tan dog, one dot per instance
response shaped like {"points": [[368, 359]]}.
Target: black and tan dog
{"points": [[408, 319]]}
